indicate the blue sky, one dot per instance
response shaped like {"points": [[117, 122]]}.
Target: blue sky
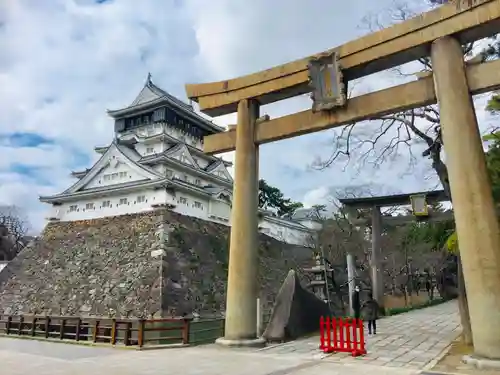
{"points": [[64, 62]]}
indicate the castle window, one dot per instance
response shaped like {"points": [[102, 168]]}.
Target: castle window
{"points": [[141, 199], [73, 208], [145, 119], [106, 204], [123, 201], [197, 182], [150, 150], [185, 178], [183, 200], [107, 177], [89, 206], [198, 205], [169, 173], [123, 174], [114, 176]]}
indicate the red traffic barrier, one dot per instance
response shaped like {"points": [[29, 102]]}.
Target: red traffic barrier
{"points": [[345, 335]]}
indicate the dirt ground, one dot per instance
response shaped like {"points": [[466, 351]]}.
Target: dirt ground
{"points": [[452, 363]]}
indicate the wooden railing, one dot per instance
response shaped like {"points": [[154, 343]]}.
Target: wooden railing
{"points": [[124, 332]]}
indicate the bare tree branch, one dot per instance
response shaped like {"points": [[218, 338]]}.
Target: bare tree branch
{"points": [[13, 230]]}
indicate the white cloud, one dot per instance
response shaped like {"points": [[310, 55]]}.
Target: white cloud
{"points": [[64, 62], [320, 195]]}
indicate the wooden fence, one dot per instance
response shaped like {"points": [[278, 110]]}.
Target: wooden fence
{"points": [[120, 332]]}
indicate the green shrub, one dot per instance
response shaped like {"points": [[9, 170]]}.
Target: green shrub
{"points": [[401, 310]]}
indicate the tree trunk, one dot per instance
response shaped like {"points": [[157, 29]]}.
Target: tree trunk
{"points": [[463, 307]]}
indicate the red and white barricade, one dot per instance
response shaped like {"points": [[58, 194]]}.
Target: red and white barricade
{"points": [[344, 335]]}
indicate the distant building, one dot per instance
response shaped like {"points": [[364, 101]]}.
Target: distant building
{"points": [[156, 159]]}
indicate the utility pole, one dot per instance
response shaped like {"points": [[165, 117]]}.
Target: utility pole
{"points": [[351, 281]]}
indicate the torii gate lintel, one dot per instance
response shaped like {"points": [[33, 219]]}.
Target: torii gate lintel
{"points": [[438, 33]]}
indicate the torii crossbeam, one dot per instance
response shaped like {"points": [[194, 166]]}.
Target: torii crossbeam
{"points": [[438, 34]]}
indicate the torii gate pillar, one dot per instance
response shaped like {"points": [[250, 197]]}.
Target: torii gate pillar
{"points": [[242, 284], [376, 257], [475, 216]]}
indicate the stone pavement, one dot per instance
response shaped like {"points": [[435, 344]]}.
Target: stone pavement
{"points": [[405, 343], [410, 340], [187, 361]]}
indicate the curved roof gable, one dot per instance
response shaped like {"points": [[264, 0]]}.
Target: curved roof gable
{"points": [[125, 154]]}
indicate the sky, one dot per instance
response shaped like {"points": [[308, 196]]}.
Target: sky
{"points": [[65, 62]]}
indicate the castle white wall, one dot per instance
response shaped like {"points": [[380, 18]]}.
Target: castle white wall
{"points": [[184, 203], [110, 175], [283, 231], [161, 169], [191, 205], [311, 224], [219, 211], [93, 208], [160, 145], [179, 134], [206, 208], [203, 163], [140, 201], [150, 148]]}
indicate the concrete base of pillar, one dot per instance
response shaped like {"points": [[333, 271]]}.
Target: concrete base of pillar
{"points": [[481, 363], [252, 343]]}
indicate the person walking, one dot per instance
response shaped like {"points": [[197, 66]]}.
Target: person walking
{"points": [[356, 303], [369, 312]]}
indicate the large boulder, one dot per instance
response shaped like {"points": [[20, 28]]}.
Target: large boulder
{"points": [[296, 311]]}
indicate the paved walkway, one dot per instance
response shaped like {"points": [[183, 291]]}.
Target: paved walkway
{"points": [[402, 346], [409, 340]]}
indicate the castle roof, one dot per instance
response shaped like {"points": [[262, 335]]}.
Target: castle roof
{"points": [[302, 214], [176, 144], [151, 96], [126, 153]]}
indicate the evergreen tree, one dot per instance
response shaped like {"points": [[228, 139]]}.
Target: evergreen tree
{"points": [[271, 197]]}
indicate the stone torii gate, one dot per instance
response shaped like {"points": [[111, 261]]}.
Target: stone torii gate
{"points": [[375, 204], [438, 34]]}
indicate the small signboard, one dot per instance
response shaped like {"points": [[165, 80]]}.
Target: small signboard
{"points": [[419, 205], [325, 79]]}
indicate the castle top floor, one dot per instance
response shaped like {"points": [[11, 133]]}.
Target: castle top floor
{"points": [[154, 106]]}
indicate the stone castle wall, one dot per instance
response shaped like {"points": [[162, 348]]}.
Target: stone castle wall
{"points": [[141, 265]]}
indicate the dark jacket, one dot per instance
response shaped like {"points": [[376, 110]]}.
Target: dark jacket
{"points": [[369, 310], [356, 304]]}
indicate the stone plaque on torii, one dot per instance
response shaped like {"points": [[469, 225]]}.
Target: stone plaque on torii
{"points": [[437, 34], [327, 84]]}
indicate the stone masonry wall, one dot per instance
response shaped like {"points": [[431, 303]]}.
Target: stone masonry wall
{"points": [[142, 265]]}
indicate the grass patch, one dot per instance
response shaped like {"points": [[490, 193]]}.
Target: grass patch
{"points": [[401, 310]]}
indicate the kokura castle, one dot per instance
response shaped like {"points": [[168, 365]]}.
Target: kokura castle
{"points": [[156, 159]]}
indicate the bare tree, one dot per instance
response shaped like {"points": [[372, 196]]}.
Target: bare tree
{"points": [[14, 228], [387, 138]]}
